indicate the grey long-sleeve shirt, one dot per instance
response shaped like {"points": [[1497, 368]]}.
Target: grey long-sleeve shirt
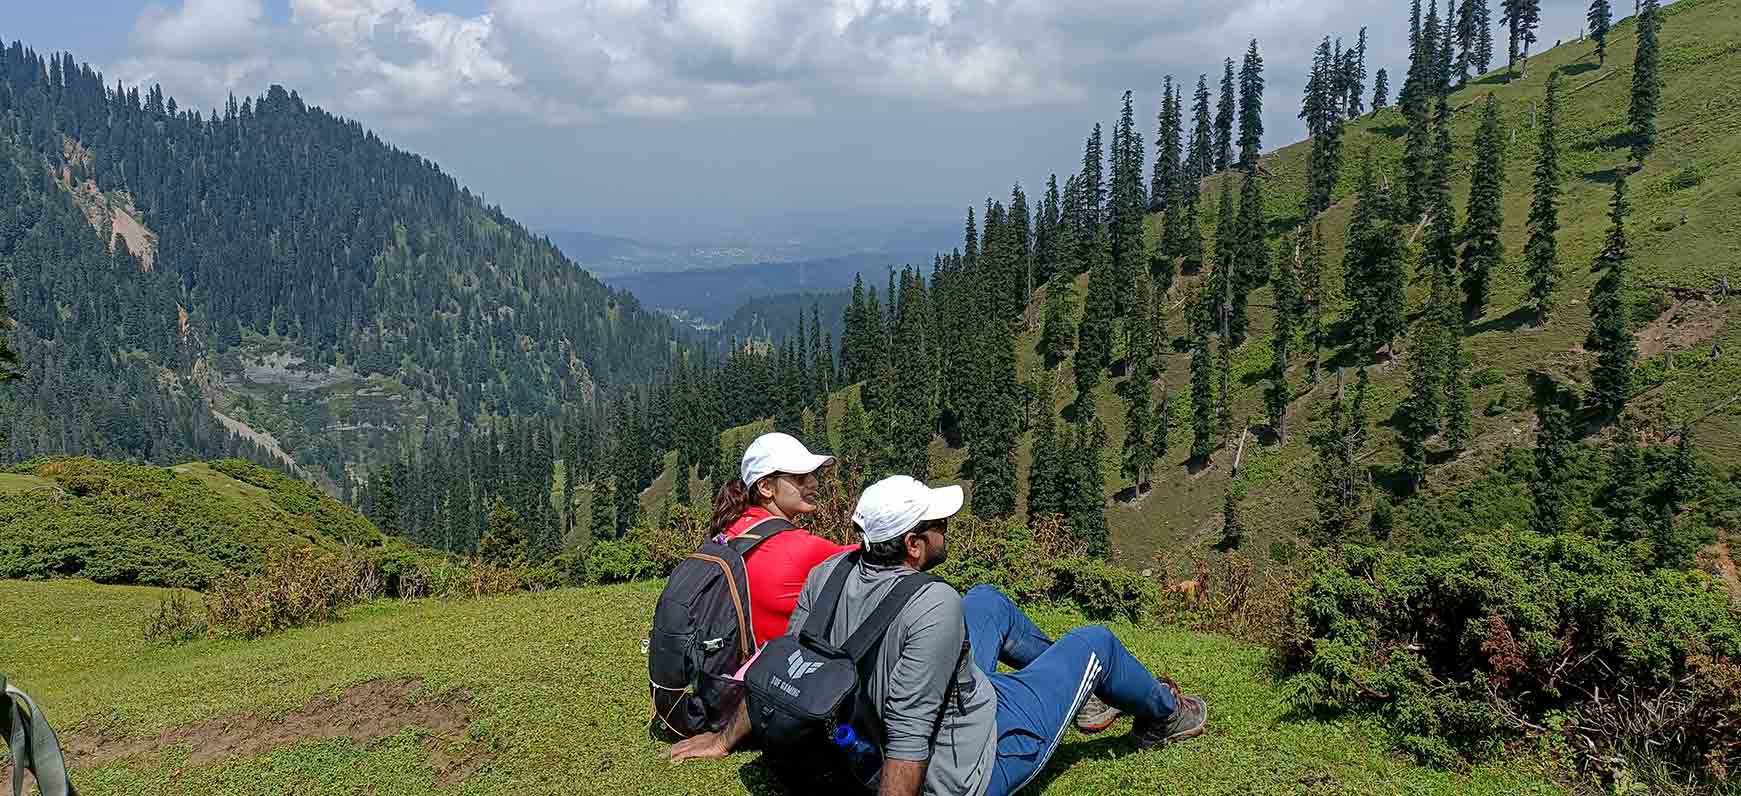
{"points": [[919, 653]]}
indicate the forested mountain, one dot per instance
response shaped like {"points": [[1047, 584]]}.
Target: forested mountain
{"points": [[276, 263]]}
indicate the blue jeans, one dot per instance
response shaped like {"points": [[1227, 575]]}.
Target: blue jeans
{"points": [[1039, 700]]}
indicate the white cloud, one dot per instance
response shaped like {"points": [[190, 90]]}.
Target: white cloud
{"points": [[200, 28]]}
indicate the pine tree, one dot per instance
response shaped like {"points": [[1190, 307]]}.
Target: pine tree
{"points": [[602, 521], [1251, 106], [1224, 119], [1200, 152], [1138, 455], [853, 345], [990, 452], [1341, 482], [1050, 464], [1355, 77], [855, 445], [1163, 196], [1324, 123], [1610, 332], [1020, 235], [1193, 257], [1224, 395], [1287, 300], [1544, 214], [1521, 18], [1312, 299], [1429, 353], [1251, 266], [1646, 83], [8, 357], [1554, 446], [1057, 334], [1601, 19], [1091, 180], [910, 412], [1094, 334], [1126, 208], [1372, 269], [1472, 28], [1202, 384], [1232, 529], [1483, 251], [1161, 438], [1380, 90], [1085, 502]]}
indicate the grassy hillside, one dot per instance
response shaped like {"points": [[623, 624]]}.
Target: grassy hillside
{"points": [[184, 525], [1683, 234], [544, 693]]}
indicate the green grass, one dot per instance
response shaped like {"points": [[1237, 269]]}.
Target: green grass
{"points": [[556, 684], [19, 483]]}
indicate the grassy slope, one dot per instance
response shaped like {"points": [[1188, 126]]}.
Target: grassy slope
{"points": [[1700, 127], [556, 686]]}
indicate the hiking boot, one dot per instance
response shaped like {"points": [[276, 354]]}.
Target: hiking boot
{"points": [[1095, 716], [1186, 721]]}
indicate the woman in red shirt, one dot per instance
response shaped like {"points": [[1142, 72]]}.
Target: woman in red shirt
{"points": [[777, 478]]}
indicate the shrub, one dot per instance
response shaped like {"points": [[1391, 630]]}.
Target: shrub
{"points": [[298, 586], [1459, 649], [619, 560], [176, 620], [1686, 177], [1485, 377]]}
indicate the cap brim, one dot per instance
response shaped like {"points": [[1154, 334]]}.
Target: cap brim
{"points": [[945, 502], [814, 463]]}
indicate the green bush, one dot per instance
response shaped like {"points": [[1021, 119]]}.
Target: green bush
{"points": [[1686, 177], [1463, 648], [619, 560]]}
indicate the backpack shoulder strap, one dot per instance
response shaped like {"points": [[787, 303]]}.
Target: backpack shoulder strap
{"points": [[870, 634], [822, 611], [761, 532]]}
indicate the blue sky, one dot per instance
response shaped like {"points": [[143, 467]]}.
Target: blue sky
{"points": [[702, 120]]}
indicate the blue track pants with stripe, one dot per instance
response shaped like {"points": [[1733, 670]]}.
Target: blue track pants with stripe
{"points": [[1049, 681]]}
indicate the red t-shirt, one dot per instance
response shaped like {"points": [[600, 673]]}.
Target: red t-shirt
{"points": [[777, 569]]}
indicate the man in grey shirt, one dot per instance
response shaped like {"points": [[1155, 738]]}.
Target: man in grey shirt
{"points": [[997, 730]]}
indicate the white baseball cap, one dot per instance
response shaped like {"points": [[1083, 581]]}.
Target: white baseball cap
{"points": [[897, 504], [779, 453]]}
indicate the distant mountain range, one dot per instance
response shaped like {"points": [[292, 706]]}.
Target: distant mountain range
{"points": [[712, 295]]}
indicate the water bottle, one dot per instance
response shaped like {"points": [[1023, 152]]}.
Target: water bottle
{"points": [[864, 762]]}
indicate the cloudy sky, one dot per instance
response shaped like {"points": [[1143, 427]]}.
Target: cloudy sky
{"points": [[691, 120]]}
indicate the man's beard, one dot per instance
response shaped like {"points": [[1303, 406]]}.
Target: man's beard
{"points": [[935, 557]]}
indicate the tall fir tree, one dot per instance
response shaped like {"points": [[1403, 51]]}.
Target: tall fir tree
{"points": [[1554, 446], [1202, 380], [1287, 302], [1381, 89], [1324, 122], [1601, 19], [1161, 439], [1057, 330], [1085, 503], [1372, 269], [909, 400], [1162, 187], [1250, 107], [1127, 208], [1610, 329], [1049, 469], [1312, 299], [1474, 40], [1094, 334], [1341, 483], [1092, 181], [1646, 82], [990, 451], [1252, 259], [1021, 238], [1542, 249], [1354, 78], [1521, 18], [1224, 281], [1200, 152], [853, 345], [602, 519], [1483, 249], [1224, 118]]}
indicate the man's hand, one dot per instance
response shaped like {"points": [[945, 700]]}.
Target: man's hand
{"points": [[713, 745], [902, 778], [708, 745]]}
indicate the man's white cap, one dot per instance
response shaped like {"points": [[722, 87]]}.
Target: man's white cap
{"points": [[897, 504], [779, 453]]}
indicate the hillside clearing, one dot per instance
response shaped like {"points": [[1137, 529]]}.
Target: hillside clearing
{"points": [[543, 693]]}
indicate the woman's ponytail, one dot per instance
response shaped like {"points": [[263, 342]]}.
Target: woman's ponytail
{"points": [[731, 503]]}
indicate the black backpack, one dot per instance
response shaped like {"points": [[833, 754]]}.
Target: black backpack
{"points": [[802, 688], [702, 634]]}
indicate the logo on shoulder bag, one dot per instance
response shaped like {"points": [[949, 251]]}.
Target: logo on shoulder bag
{"points": [[797, 667]]}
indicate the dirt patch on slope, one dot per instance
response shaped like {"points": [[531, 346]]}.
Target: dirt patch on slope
{"points": [[1720, 558], [363, 713], [1684, 325]]}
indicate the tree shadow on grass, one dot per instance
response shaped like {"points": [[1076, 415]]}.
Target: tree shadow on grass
{"points": [[1603, 177], [1619, 140], [1391, 130], [1573, 70], [1509, 322]]}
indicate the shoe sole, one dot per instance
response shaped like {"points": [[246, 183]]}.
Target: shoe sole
{"points": [[1097, 724], [1194, 731]]}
